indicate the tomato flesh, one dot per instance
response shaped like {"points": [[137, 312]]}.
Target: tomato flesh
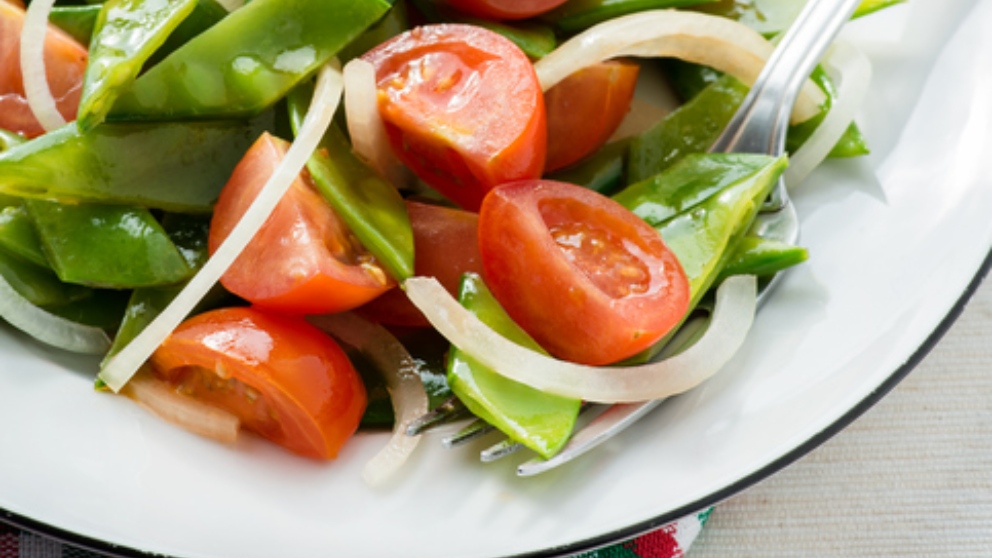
{"points": [[462, 108], [588, 279], [65, 66], [505, 9], [285, 379], [586, 108], [304, 259], [446, 245]]}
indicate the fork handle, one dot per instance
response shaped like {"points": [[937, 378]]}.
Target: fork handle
{"points": [[775, 91]]}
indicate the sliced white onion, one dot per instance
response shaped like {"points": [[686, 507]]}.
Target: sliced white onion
{"points": [[851, 71], [192, 415], [36, 90], [118, 369], [718, 42], [231, 5], [48, 328], [406, 390], [731, 320], [365, 126]]}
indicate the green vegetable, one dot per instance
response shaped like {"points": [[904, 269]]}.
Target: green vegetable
{"points": [[106, 245], [18, 236], [38, 284], [395, 21], [9, 140], [577, 15], [247, 61], [603, 171], [539, 421], [174, 166], [77, 21], [762, 257], [126, 34], [370, 206]]}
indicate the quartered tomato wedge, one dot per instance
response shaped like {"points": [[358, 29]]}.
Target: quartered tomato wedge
{"points": [[285, 379], [505, 9], [586, 108], [304, 259], [462, 108], [446, 247], [65, 66], [590, 281]]}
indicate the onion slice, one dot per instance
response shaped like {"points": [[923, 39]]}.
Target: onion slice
{"points": [[36, 89], [48, 328], [851, 69], [365, 126], [118, 369], [731, 320], [718, 42], [194, 416], [406, 390]]}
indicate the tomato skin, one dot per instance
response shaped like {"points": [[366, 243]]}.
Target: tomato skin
{"points": [[446, 246], [505, 9], [293, 384], [586, 108], [303, 260], [588, 279], [65, 66], [462, 108]]}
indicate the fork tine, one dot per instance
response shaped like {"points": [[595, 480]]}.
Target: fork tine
{"points": [[500, 450], [476, 429], [451, 410]]}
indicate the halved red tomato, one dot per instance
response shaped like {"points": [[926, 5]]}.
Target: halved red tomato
{"points": [[590, 281], [446, 246], [65, 66], [586, 108], [505, 9], [462, 108], [304, 259], [285, 379]]}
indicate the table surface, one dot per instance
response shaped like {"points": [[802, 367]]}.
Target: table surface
{"points": [[911, 477]]}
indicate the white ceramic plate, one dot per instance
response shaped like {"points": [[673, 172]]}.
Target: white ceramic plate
{"points": [[897, 243]]}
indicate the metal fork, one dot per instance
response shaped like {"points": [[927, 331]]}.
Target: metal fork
{"points": [[759, 126]]}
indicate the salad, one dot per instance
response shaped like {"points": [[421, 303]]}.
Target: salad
{"points": [[263, 216]]}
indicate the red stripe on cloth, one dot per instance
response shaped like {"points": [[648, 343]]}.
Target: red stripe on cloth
{"points": [[9, 546], [660, 543]]}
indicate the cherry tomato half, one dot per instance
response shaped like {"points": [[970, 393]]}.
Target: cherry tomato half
{"points": [[588, 279], [304, 259], [65, 66], [446, 247], [285, 379], [586, 108], [505, 9], [462, 108]]}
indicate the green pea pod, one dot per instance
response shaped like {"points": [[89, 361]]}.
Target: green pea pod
{"points": [[762, 257], [18, 236], [104, 309], [539, 421], [126, 34], [368, 204], [9, 140], [189, 234], [247, 61], [39, 285], [577, 15], [603, 171], [77, 21], [692, 128], [106, 245], [535, 38], [703, 206], [179, 166]]}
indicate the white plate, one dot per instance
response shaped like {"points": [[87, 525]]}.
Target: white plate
{"points": [[897, 242]]}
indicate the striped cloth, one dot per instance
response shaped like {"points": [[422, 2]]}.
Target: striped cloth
{"points": [[670, 541]]}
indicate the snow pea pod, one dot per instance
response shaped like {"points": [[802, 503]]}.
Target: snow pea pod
{"points": [[77, 21], [247, 61], [539, 421], [604, 171], [106, 245], [18, 236], [174, 166], [10, 139], [40, 286], [762, 257], [371, 207], [126, 34]]}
